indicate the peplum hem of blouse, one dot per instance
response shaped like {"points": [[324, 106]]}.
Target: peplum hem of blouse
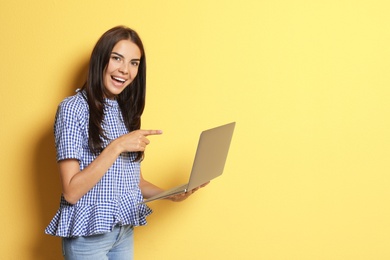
{"points": [[86, 220]]}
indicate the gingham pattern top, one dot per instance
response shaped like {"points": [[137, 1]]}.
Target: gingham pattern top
{"points": [[114, 199]]}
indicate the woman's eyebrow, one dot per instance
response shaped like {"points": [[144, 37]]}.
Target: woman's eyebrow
{"points": [[120, 55]]}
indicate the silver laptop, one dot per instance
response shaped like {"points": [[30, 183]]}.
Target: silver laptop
{"points": [[209, 162]]}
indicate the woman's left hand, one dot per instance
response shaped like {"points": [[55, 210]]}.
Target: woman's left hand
{"points": [[183, 196]]}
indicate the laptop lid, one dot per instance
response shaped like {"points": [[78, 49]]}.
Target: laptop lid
{"points": [[209, 162], [211, 154]]}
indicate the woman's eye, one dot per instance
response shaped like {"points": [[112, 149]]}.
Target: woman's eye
{"points": [[135, 63], [116, 58]]}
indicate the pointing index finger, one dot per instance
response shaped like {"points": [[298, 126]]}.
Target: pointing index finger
{"points": [[151, 132]]}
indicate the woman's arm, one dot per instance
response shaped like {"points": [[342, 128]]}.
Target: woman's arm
{"points": [[76, 183], [149, 190]]}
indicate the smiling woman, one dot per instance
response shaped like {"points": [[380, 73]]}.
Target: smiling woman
{"points": [[112, 57], [122, 68], [99, 149]]}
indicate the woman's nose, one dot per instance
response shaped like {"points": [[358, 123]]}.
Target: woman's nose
{"points": [[124, 68]]}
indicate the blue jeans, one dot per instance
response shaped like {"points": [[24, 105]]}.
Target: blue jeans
{"points": [[118, 245]]}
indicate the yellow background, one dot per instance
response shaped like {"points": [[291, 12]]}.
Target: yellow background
{"points": [[307, 82]]}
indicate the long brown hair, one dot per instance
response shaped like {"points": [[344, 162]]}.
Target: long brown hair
{"points": [[131, 100]]}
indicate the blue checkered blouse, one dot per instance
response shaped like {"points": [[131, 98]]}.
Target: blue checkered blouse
{"points": [[114, 199]]}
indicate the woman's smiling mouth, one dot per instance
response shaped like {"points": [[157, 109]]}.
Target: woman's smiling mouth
{"points": [[117, 79]]}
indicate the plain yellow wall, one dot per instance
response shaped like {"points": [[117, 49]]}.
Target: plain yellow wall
{"points": [[307, 82]]}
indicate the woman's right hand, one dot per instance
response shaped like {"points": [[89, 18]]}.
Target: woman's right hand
{"points": [[136, 141], [76, 183]]}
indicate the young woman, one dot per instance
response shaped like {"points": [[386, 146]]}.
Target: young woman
{"points": [[99, 149]]}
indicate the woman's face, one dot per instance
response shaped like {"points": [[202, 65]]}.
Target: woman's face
{"points": [[122, 67]]}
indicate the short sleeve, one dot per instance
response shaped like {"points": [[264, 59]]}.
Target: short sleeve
{"points": [[69, 128]]}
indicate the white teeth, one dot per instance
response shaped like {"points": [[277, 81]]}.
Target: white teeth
{"points": [[119, 79]]}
